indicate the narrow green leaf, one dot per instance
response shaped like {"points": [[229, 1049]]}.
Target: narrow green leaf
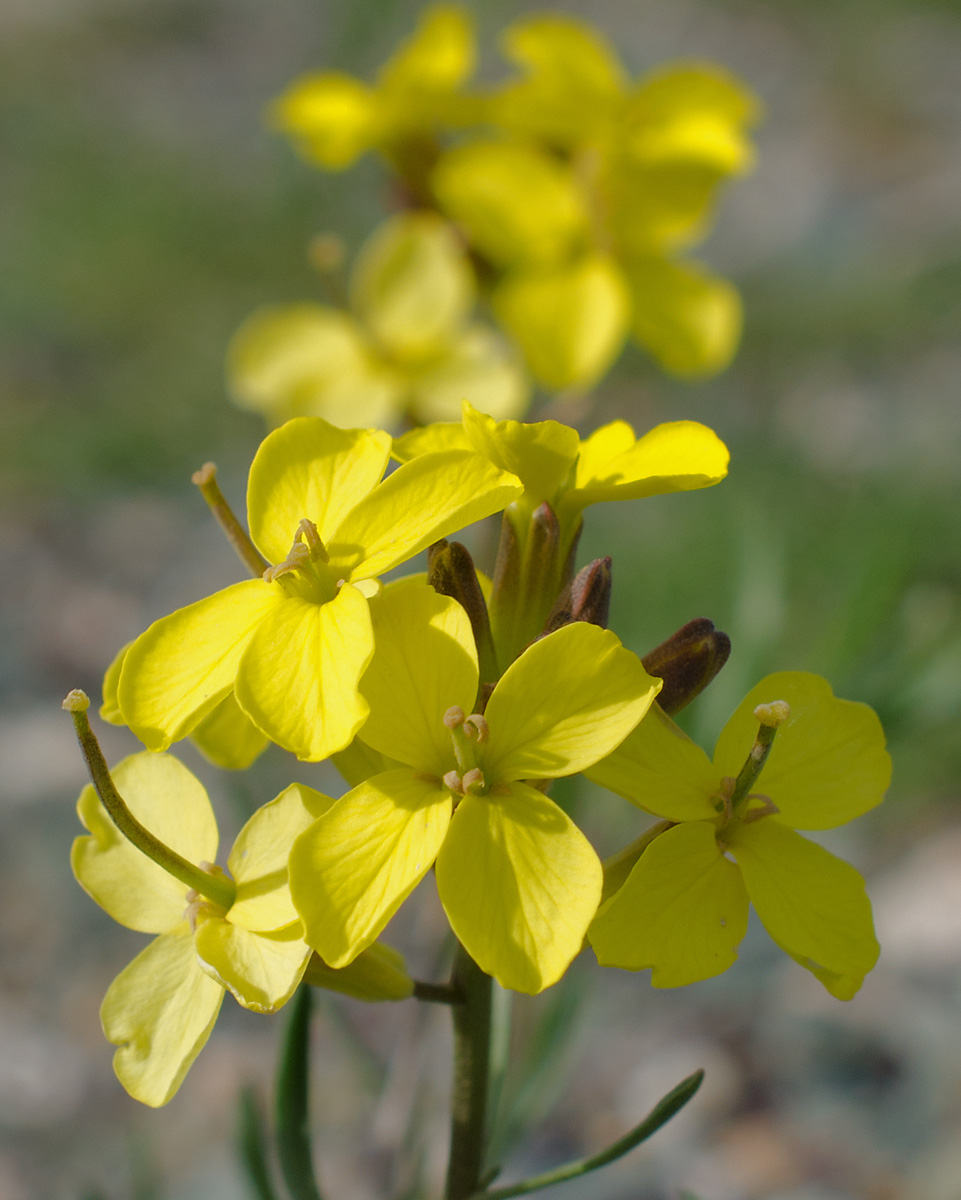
{"points": [[292, 1103], [252, 1144]]}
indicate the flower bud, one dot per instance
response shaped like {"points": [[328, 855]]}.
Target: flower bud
{"points": [[586, 598], [687, 662]]}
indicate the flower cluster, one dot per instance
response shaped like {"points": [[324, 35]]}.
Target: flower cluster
{"points": [[564, 196], [450, 702]]}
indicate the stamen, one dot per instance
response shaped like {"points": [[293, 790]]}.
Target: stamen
{"points": [[308, 531], [297, 558], [454, 782], [477, 728], [454, 717], [767, 809], [474, 783]]}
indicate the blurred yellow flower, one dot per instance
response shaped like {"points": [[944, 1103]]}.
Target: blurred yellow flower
{"points": [[408, 346]]}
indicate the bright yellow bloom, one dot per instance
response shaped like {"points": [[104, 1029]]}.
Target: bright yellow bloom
{"points": [[408, 346], [585, 205], [335, 118], [684, 907], [161, 1009], [518, 880], [292, 646]]}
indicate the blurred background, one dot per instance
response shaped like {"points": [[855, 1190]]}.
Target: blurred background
{"points": [[146, 211]]}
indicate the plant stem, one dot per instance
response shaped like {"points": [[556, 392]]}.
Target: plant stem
{"points": [[293, 1102], [472, 1038]]}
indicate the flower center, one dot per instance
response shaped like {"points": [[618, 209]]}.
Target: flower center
{"points": [[304, 572], [466, 733]]}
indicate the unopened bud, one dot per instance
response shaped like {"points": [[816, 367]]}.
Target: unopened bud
{"points": [[773, 714], [75, 701], [450, 572], [687, 662], [586, 598]]}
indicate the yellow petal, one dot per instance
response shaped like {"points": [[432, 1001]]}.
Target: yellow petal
{"points": [[688, 319], [423, 500], [258, 858], [573, 85], [520, 884], [683, 911], [439, 56], [305, 360], [517, 204], [355, 866], [376, 974], [360, 761], [570, 321], [811, 903], [412, 285], [227, 736], [828, 763], [110, 708], [432, 439], [298, 679], [477, 366], [566, 702], [425, 663], [309, 468], [661, 770], [332, 118], [172, 804], [176, 672], [261, 970], [677, 456], [160, 1010], [541, 455]]}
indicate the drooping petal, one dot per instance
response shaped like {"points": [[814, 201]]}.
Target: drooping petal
{"points": [[355, 866], [573, 85], [431, 439], [258, 858], [520, 884], [828, 763], [184, 664], [688, 319], [683, 910], [569, 320], [228, 737], [298, 679], [310, 468], [159, 1011], [566, 702], [541, 454], [412, 285], [172, 804], [331, 117], [306, 360], [261, 970], [426, 663], [677, 456], [811, 903], [421, 501], [518, 204], [479, 367], [658, 768]]}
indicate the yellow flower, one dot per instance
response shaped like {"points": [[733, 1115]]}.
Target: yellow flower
{"points": [[334, 118], [408, 346], [683, 909], [292, 646], [160, 1009], [519, 882], [585, 205]]}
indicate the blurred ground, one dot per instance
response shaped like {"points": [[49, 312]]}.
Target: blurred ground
{"points": [[145, 211]]}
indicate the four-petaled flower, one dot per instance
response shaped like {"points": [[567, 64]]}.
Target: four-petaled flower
{"points": [[293, 645], [519, 882], [683, 909]]}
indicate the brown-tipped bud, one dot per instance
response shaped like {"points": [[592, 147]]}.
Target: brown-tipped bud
{"points": [[586, 598], [450, 571], [687, 662]]}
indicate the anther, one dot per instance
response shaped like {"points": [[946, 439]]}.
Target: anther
{"points": [[474, 783], [454, 782], [297, 558], [477, 728], [454, 717], [308, 531]]}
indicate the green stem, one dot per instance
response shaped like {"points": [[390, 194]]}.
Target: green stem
{"points": [[218, 888], [658, 1116], [250, 556], [469, 1103], [293, 1102], [436, 993], [253, 1146]]}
